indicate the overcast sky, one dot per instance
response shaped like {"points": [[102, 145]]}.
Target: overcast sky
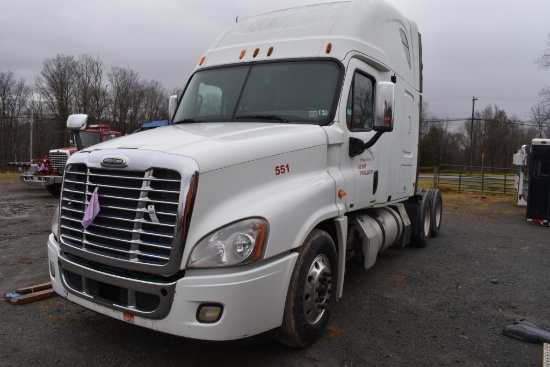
{"points": [[481, 48]]}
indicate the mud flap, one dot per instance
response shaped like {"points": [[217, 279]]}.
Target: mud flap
{"points": [[528, 332]]}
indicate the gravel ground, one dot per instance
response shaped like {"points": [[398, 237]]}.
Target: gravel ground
{"points": [[444, 305]]}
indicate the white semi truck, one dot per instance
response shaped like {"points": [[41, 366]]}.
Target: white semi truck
{"points": [[292, 151]]}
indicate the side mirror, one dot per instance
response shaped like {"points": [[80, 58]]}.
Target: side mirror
{"points": [[385, 94], [172, 104], [77, 122], [383, 121]]}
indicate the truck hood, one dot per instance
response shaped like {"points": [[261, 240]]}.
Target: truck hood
{"points": [[217, 145], [71, 150]]}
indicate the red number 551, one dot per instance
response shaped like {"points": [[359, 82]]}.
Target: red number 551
{"points": [[282, 169]]}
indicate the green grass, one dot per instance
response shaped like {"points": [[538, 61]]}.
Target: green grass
{"points": [[9, 176]]}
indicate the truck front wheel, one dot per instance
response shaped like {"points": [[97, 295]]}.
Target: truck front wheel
{"points": [[54, 189], [311, 294]]}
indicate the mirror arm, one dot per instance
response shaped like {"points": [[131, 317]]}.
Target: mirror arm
{"points": [[78, 140], [357, 146]]}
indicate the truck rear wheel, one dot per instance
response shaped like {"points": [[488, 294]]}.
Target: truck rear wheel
{"points": [[310, 298], [437, 211], [423, 222], [54, 189]]}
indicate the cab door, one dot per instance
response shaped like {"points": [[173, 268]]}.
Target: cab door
{"points": [[356, 120]]}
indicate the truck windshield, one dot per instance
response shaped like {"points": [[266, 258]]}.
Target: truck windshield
{"points": [[89, 138], [292, 91]]}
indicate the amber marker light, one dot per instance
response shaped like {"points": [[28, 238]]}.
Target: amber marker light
{"points": [[243, 52], [270, 51], [341, 193], [202, 60], [260, 242], [329, 48], [256, 52]]}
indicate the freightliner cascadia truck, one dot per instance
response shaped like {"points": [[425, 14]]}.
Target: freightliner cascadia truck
{"points": [[291, 153]]}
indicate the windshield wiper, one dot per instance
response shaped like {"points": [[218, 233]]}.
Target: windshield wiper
{"points": [[186, 120], [263, 117]]}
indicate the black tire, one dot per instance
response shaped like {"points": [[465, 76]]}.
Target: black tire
{"points": [[422, 232], [437, 211], [311, 292], [54, 189]]}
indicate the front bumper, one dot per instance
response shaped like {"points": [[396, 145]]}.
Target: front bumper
{"points": [[40, 181], [253, 298]]}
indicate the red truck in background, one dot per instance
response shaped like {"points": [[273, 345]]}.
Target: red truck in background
{"points": [[48, 171]]}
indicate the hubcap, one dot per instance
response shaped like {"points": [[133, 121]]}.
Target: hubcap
{"points": [[317, 289]]}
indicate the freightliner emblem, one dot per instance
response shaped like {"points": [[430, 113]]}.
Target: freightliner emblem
{"points": [[113, 162]]}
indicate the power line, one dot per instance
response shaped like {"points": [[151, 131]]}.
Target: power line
{"points": [[484, 98], [468, 119]]}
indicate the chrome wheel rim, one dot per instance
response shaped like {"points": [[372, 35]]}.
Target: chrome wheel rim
{"points": [[317, 289]]}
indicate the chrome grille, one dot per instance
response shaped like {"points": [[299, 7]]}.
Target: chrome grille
{"points": [[58, 159], [138, 214]]}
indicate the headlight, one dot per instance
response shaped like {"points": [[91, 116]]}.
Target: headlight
{"points": [[55, 223], [237, 244]]}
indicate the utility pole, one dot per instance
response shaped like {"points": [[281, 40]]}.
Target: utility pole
{"points": [[474, 99], [30, 149]]}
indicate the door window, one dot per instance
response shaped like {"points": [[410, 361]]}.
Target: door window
{"points": [[359, 110]]}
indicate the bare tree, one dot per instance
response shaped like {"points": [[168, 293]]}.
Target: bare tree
{"points": [[91, 89], [540, 114], [431, 144], [544, 60], [41, 128], [438, 145], [453, 148], [124, 83], [14, 97], [424, 118], [148, 102], [56, 85], [502, 136], [155, 105]]}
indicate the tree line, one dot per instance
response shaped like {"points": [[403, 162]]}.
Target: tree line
{"points": [[67, 85], [122, 99], [489, 139]]}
